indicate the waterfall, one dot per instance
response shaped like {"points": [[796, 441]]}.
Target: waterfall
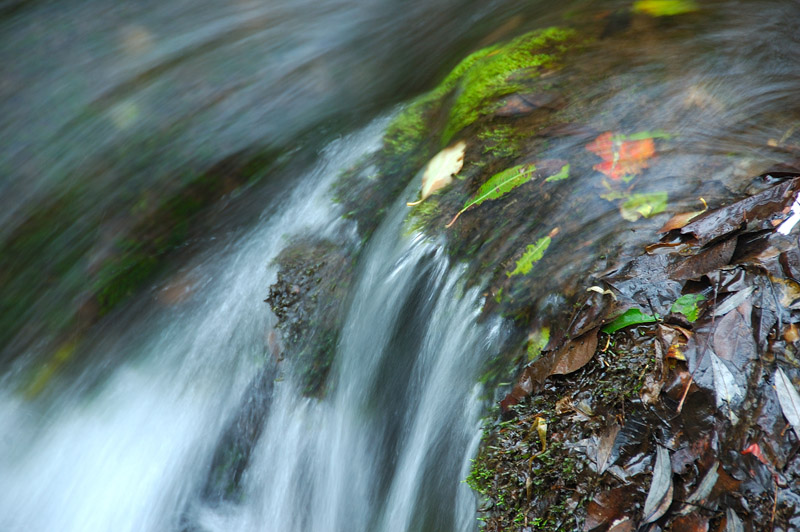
{"points": [[386, 449]]}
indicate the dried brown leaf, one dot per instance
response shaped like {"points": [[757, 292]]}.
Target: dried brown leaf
{"points": [[733, 336], [725, 220], [575, 354], [679, 220], [606, 508], [707, 260], [690, 523], [604, 448]]}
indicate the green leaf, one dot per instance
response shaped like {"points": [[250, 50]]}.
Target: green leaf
{"points": [[632, 316], [643, 135], [533, 253], [645, 205], [664, 8], [537, 342], [562, 174], [498, 185], [687, 305]]}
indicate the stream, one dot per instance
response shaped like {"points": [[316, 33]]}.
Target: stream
{"points": [[110, 418]]}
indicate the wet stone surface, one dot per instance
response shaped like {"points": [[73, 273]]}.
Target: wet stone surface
{"points": [[309, 299]]}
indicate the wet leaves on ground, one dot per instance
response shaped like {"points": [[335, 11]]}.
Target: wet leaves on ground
{"points": [[688, 408], [789, 399], [659, 498]]}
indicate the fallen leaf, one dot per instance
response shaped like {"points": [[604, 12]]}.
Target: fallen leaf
{"points": [[690, 523], [755, 450], [606, 508], [624, 524], [664, 8], [726, 389], [575, 354], [498, 185], [659, 498], [533, 253], [676, 353], [724, 220], [622, 155], [789, 290], [604, 448], [643, 205], [632, 316], [687, 305], [733, 523], [440, 170], [788, 399], [681, 219], [734, 301], [541, 429], [562, 174]]}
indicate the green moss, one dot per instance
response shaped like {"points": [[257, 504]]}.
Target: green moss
{"points": [[502, 141], [407, 130], [499, 71], [421, 216], [478, 80]]}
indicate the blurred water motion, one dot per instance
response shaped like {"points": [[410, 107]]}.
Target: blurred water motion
{"points": [[113, 115], [203, 134]]}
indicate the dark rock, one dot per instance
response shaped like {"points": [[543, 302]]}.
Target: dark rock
{"points": [[309, 299]]}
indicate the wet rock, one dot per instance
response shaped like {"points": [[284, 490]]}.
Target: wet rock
{"points": [[309, 299], [233, 451]]}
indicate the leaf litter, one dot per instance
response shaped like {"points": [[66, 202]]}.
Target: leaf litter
{"points": [[686, 376]]}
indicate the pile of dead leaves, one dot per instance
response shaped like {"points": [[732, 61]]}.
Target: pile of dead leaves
{"points": [[706, 435]]}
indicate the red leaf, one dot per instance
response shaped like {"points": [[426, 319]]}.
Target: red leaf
{"points": [[755, 450], [621, 157], [603, 146]]}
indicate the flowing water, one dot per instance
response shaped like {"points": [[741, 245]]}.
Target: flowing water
{"points": [[103, 106]]}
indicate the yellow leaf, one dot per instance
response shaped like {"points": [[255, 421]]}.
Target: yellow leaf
{"points": [[440, 170], [664, 8]]}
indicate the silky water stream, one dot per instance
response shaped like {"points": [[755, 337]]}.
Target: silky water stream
{"points": [[124, 436], [386, 450]]}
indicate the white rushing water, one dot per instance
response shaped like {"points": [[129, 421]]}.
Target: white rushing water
{"points": [[387, 449]]}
